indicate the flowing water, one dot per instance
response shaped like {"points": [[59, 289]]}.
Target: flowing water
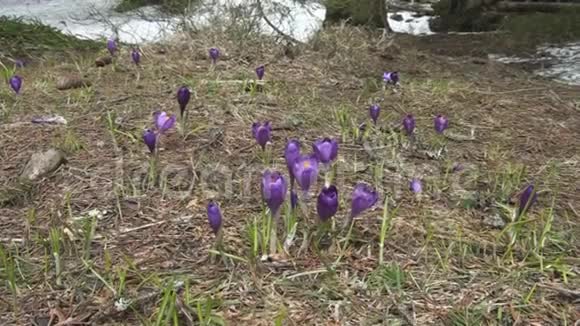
{"points": [[96, 18]]}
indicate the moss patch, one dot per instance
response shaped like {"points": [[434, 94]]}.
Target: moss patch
{"points": [[168, 6], [360, 12], [23, 38]]}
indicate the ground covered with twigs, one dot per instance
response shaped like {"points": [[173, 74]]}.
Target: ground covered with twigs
{"points": [[136, 250]]}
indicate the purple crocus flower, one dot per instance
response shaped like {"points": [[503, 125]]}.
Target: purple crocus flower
{"points": [[136, 56], [163, 121], [262, 133], [112, 46], [415, 186], [16, 83], [150, 139], [527, 198], [183, 96], [291, 154], [293, 199], [457, 167], [374, 111], [306, 171], [409, 124], [441, 123], [214, 216], [19, 63], [325, 150], [363, 198], [260, 72], [391, 77], [274, 190], [214, 54], [327, 203]]}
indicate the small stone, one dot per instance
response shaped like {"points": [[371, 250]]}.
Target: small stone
{"points": [[103, 61], [71, 81], [54, 120], [42, 163], [494, 221]]}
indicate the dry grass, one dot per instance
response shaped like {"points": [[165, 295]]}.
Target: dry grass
{"points": [[442, 264]]}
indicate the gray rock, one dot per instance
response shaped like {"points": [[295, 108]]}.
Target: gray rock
{"points": [[494, 221], [42, 163]]}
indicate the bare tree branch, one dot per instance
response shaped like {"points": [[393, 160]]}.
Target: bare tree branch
{"points": [[276, 29]]}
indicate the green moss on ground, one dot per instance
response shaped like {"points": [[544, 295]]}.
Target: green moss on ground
{"points": [[168, 6], [24, 38], [359, 12]]}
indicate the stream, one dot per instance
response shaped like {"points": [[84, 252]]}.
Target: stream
{"points": [[94, 19]]}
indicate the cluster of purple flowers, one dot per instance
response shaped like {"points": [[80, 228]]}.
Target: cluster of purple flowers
{"points": [[162, 122], [303, 169]]}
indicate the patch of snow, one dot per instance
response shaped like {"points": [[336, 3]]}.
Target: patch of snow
{"points": [[93, 19], [562, 62], [409, 24], [566, 67]]}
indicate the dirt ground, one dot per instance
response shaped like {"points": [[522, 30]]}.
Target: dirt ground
{"points": [[444, 263]]}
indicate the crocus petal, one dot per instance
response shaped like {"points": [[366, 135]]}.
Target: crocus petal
{"points": [[214, 217], [293, 199], [306, 171], [183, 96], [214, 53], [150, 139], [391, 77], [262, 133], [441, 123], [112, 46], [163, 122], [136, 56], [363, 198], [374, 111], [16, 83], [274, 190], [291, 154], [416, 186], [260, 72], [409, 124], [527, 198], [327, 203], [169, 123], [325, 150]]}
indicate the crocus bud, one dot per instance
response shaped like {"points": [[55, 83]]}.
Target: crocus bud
{"points": [[260, 72], [441, 123], [409, 124], [527, 198], [306, 171], [363, 198], [262, 133], [150, 139], [274, 190], [214, 54], [16, 83], [415, 186], [291, 154], [325, 150], [214, 216], [136, 56], [327, 203], [163, 121], [112, 46], [374, 111], [183, 96]]}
